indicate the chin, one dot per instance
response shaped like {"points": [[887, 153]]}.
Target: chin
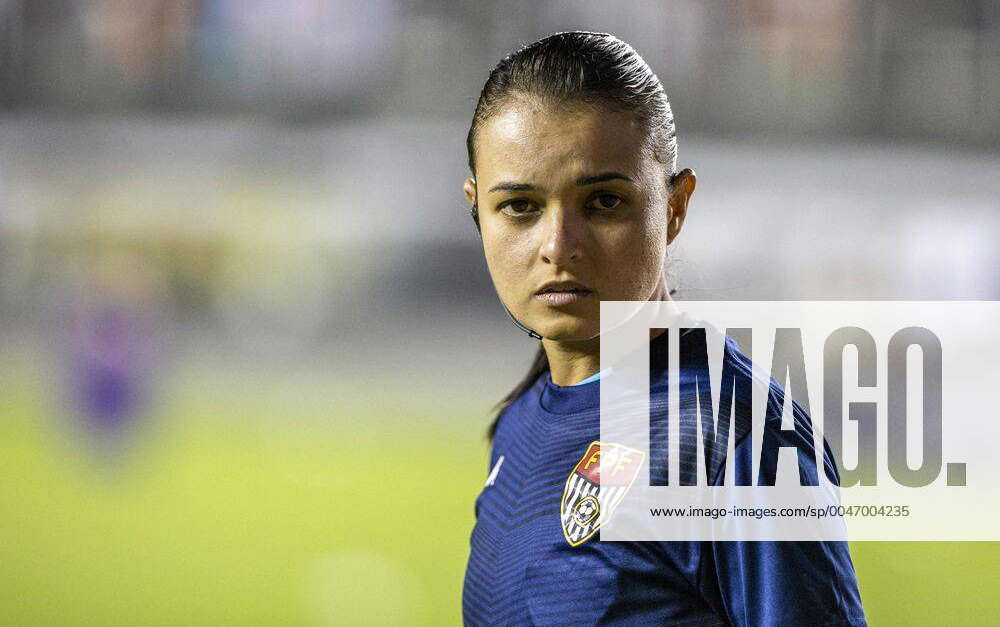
{"points": [[568, 329]]}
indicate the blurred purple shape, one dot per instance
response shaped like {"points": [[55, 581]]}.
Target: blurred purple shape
{"points": [[111, 365]]}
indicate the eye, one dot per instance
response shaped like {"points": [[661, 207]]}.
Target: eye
{"points": [[605, 202], [516, 207]]}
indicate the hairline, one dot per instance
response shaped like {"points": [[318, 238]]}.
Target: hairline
{"points": [[570, 103]]}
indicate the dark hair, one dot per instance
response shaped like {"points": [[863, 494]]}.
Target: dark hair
{"points": [[577, 67]]}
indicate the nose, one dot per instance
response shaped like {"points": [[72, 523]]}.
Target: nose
{"points": [[563, 237]]}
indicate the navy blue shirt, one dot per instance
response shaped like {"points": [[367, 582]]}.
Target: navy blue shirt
{"points": [[523, 571]]}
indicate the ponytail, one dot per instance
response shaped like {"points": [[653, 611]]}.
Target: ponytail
{"points": [[538, 366]]}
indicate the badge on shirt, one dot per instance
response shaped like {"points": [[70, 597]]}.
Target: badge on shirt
{"points": [[589, 499]]}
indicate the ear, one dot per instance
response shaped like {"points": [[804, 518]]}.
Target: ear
{"points": [[682, 186], [470, 189]]}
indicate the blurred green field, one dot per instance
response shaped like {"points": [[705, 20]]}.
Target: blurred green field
{"points": [[234, 507]]}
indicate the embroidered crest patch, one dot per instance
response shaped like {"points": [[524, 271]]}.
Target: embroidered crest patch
{"points": [[589, 498]]}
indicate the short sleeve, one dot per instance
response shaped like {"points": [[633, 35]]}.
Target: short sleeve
{"points": [[758, 583]]}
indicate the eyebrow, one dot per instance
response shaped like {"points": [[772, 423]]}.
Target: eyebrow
{"points": [[603, 176], [508, 186]]}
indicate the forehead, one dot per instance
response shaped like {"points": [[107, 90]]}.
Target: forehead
{"points": [[531, 141]]}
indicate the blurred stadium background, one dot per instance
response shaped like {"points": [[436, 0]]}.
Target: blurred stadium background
{"points": [[248, 343]]}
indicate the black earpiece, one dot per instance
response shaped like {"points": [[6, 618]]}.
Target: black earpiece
{"points": [[474, 209], [474, 212]]}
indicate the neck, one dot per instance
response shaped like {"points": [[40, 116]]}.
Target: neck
{"points": [[573, 361]]}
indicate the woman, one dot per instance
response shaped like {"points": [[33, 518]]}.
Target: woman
{"points": [[576, 194]]}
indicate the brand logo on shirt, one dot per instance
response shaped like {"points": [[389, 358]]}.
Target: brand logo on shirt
{"points": [[590, 497], [493, 473]]}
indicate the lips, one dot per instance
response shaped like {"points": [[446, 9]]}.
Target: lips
{"points": [[558, 293], [562, 286]]}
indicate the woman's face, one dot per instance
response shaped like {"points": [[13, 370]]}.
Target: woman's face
{"points": [[574, 209]]}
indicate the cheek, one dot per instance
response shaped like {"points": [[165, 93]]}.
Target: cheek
{"points": [[505, 258], [655, 241], [635, 261]]}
